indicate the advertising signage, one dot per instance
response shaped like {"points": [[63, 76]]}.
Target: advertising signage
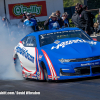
{"points": [[37, 8]]}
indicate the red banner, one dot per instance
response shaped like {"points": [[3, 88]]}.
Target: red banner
{"points": [[37, 8]]}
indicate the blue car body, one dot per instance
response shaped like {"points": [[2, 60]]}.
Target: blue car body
{"points": [[66, 58]]}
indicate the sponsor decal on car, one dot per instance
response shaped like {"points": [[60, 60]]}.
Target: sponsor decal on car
{"points": [[63, 44], [90, 64], [56, 42], [25, 53], [40, 57]]}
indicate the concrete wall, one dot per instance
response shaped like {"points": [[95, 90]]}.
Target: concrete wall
{"points": [[52, 6]]}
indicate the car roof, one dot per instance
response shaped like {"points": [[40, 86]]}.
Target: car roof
{"points": [[50, 31]]}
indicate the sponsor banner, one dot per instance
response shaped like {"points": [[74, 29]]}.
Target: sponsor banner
{"points": [[37, 8]]}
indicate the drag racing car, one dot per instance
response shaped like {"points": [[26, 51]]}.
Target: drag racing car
{"points": [[60, 54]]}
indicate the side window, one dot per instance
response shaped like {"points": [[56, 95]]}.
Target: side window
{"points": [[24, 41], [29, 41]]}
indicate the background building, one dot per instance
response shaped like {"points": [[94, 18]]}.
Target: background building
{"points": [[42, 9]]}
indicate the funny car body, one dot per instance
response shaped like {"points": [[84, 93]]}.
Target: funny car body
{"points": [[61, 54]]}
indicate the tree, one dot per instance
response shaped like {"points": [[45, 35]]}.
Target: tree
{"points": [[69, 3]]}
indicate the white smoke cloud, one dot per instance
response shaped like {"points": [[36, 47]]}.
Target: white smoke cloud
{"points": [[8, 40]]}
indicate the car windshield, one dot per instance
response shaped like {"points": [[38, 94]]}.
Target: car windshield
{"points": [[49, 38]]}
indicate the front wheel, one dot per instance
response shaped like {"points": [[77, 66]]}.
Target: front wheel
{"points": [[46, 75]]}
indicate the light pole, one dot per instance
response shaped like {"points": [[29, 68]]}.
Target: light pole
{"points": [[5, 9]]}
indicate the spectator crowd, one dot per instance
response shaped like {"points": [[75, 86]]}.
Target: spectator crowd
{"points": [[82, 19]]}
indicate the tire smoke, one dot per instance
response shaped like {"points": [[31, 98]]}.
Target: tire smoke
{"points": [[9, 38]]}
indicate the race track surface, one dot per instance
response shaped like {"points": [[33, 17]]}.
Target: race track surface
{"points": [[77, 89]]}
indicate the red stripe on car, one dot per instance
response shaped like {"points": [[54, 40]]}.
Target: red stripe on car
{"points": [[20, 42], [26, 69], [35, 61], [94, 39], [52, 70], [40, 68]]}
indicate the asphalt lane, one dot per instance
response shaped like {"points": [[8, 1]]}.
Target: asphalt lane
{"points": [[77, 89]]}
